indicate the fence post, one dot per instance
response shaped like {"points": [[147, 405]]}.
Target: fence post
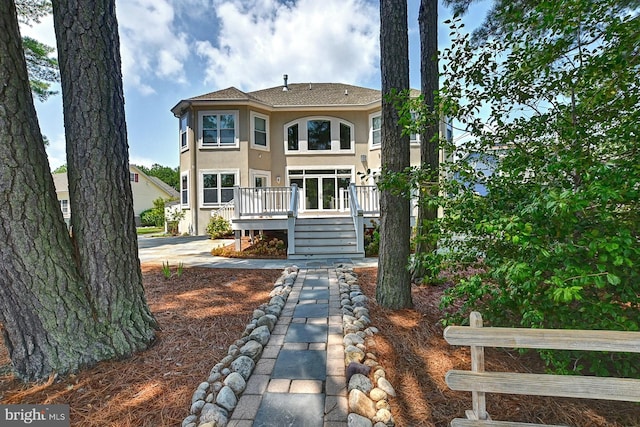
{"points": [[477, 365]]}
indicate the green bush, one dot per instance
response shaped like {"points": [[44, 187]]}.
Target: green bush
{"points": [[218, 227], [555, 239], [372, 240], [152, 218], [155, 215]]}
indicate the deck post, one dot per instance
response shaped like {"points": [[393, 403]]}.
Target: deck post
{"points": [[238, 236]]}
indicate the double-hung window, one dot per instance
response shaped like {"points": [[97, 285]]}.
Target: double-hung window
{"points": [[218, 129], [376, 130], [64, 206], [217, 186], [183, 132], [184, 189], [259, 131]]}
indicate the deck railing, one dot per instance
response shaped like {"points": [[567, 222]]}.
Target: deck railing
{"points": [[262, 201], [368, 197]]}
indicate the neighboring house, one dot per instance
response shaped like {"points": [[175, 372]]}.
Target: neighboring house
{"points": [[145, 190], [484, 164], [247, 152]]}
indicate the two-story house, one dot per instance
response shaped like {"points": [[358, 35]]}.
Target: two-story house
{"points": [[251, 150]]}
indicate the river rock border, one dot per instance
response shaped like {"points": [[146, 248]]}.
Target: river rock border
{"points": [[368, 389], [215, 399]]}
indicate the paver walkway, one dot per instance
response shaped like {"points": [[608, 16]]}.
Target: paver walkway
{"points": [[300, 377]]}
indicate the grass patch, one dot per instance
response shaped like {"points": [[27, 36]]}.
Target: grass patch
{"points": [[149, 230]]}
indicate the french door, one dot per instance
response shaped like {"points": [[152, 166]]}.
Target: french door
{"points": [[321, 189]]}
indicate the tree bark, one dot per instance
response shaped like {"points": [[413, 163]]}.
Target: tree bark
{"points": [[101, 201], [393, 288], [429, 146], [48, 323]]}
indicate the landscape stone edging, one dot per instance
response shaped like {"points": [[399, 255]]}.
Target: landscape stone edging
{"points": [[368, 396], [214, 400]]}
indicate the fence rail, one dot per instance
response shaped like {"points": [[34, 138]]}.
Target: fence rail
{"points": [[479, 382]]}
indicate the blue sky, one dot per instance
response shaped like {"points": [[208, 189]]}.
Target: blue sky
{"points": [[176, 49]]}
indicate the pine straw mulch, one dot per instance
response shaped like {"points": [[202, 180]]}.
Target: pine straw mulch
{"points": [[205, 310], [416, 358], [200, 314]]}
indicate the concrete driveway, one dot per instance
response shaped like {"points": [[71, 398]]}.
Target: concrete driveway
{"points": [[195, 251]]}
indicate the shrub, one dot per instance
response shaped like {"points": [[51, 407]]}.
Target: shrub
{"points": [[372, 240], [152, 217], [218, 227]]}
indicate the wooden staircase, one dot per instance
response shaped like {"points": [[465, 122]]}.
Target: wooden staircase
{"points": [[331, 237]]}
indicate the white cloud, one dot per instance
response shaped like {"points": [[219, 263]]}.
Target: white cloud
{"points": [[56, 151], [310, 40], [149, 43], [42, 31], [141, 161], [150, 46]]}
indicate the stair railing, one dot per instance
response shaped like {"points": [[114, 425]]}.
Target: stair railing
{"points": [[292, 214], [226, 211], [357, 214]]}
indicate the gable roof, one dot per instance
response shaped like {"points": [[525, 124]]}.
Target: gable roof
{"points": [[172, 192], [293, 95]]}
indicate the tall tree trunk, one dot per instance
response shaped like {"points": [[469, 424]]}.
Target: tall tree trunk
{"points": [[393, 288], [429, 147], [49, 326], [101, 201]]}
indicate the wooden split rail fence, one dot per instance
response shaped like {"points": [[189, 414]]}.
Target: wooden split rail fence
{"points": [[479, 382]]}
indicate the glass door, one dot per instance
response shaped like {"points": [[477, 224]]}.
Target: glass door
{"points": [[312, 193], [329, 195], [321, 189]]}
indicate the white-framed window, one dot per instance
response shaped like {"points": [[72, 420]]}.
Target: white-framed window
{"points": [[414, 138], [375, 130], [319, 134], [64, 206], [218, 129], [184, 189], [259, 131], [259, 178], [217, 186], [184, 124]]}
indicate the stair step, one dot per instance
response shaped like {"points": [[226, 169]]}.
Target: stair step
{"points": [[324, 229], [324, 221], [334, 234], [325, 242], [325, 250], [325, 238], [325, 256]]}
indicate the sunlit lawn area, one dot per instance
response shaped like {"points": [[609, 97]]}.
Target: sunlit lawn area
{"points": [[150, 230]]}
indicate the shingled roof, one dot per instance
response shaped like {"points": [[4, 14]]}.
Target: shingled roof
{"points": [[295, 95], [317, 94]]}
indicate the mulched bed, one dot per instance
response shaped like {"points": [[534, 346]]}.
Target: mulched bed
{"points": [[416, 357], [205, 310], [200, 314]]}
